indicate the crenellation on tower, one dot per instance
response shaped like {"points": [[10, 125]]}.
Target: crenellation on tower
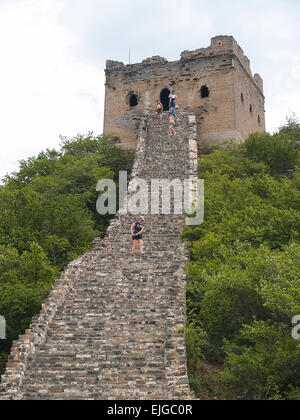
{"points": [[259, 81], [114, 65]]}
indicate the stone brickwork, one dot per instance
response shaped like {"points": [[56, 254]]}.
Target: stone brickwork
{"points": [[222, 68], [112, 328]]}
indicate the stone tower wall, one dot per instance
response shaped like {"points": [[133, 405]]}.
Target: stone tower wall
{"points": [[222, 67]]}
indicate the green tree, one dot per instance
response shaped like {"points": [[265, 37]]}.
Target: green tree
{"points": [[278, 151]]}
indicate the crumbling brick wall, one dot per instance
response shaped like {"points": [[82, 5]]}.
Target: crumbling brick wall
{"points": [[222, 68]]}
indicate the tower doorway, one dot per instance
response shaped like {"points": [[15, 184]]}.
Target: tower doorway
{"points": [[164, 98]]}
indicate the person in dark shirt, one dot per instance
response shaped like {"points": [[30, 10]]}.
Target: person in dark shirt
{"points": [[137, 230]]}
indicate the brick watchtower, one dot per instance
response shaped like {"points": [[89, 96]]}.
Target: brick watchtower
{"points": [[215, 82]]}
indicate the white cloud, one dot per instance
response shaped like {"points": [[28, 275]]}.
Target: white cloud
{"points": [[296, 67]]}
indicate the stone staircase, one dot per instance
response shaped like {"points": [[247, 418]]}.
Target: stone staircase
{"points": [[112, 327]]}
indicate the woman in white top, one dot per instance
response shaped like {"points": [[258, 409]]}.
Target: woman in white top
{"points": [[172, 98]]}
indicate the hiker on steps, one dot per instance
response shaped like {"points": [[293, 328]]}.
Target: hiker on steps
{"points": [[159, 110], [172, 124], [137, 230], [172, 97], [174, 113]]}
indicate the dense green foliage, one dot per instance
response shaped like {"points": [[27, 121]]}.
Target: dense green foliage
{"points": [[244, 274], [47, 218]]}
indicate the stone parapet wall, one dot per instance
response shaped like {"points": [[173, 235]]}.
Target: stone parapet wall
{"points": [[36, 335]]}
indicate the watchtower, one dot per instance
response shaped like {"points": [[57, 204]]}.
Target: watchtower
{"points": [[215, 82]]}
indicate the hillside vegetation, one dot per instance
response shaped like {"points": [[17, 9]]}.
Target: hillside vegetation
{"points": [[47, 219], [244, 273]]}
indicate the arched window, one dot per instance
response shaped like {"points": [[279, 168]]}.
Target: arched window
{"points": [[259, 121], [204, 92], [133, 100], [164, 98], [242, 98], [251, 109]]}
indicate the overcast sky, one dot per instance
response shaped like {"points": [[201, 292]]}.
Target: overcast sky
{"points": [[53, 53]]}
